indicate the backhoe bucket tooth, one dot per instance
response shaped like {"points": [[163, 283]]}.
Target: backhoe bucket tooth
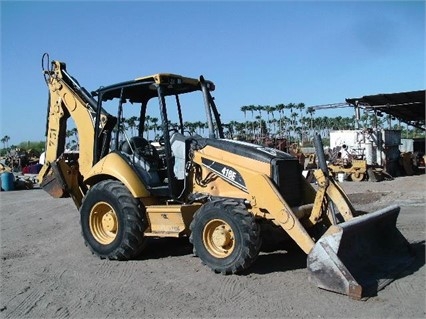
{"points": [[361, 256]]}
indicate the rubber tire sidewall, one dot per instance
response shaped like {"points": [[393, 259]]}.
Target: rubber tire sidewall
{"points": [[97, 194], [237, 260]]}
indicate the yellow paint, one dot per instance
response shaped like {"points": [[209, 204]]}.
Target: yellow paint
{"points": [[115, 166]]}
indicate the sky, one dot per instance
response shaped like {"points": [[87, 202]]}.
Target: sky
{"points": [[256, 52]]}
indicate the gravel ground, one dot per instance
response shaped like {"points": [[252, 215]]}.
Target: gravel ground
{"points": [[47, 272]]}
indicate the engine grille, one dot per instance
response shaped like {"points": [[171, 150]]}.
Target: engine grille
{"points": [[287, 174]]}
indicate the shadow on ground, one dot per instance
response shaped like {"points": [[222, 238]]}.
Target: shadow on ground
{"points": [[418, 250], [157, 248], [283, 256]]}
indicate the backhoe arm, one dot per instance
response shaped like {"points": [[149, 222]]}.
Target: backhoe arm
{"points": [[61, 175]]}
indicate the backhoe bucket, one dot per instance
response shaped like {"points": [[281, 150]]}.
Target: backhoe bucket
{"points": [[361, 256]]}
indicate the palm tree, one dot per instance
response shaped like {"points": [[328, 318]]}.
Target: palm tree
{"points": [[260, 108], [154, 122], [280, 108], [304, 127], [189, 126], [131, 122], [293, 120], [299, 134], [244, 109], [269, 110], [252, 108], [197, 126], [5, 141], [273, 122], [249, 131], [300, 107], [231, 127], [290, 106], [240, 129], [311, 111]]}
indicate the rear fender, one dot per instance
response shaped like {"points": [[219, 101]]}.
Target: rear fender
{"points": [[115, 166]]}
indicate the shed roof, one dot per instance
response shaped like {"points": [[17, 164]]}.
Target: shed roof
{"points": [[409, 107]]}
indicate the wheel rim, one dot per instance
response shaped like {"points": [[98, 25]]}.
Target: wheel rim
{"points": [[218, 238], [103, 223], [357, 177]]}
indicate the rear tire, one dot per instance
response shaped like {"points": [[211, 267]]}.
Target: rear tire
{"points": [[225, 236], [112, 221]]}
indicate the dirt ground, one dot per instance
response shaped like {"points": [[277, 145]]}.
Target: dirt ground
{"points": [[47, 272]]}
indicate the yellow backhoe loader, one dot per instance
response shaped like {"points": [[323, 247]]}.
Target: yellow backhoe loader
{"points": [[213, 190]]}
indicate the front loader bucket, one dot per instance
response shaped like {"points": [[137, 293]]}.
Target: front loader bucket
{"points": [[361, 256]]}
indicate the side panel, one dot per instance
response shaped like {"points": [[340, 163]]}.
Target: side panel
{"points": [[265, 199], [170, 220], [115, 166]]}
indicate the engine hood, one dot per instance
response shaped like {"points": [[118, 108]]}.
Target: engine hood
{"points": [[254, 151]]}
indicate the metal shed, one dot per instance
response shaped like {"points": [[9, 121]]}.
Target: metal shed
{"points": [[409, 107]]}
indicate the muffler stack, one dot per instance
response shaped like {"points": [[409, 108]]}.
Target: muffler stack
{"points": [[361, 256]]}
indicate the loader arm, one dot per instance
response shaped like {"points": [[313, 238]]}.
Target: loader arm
{"points": [[329, 190]]}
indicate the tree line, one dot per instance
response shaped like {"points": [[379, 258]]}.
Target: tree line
{"points": [[293, 121]]}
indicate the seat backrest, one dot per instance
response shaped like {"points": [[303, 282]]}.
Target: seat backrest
{"points": [[178, 146], [146, 158], [136, 144]]}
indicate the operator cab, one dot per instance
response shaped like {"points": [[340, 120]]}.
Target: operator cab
{"points": [[161, 162]]}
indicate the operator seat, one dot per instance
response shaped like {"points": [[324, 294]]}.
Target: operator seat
{"points": [[142, 148], [146, 159]]}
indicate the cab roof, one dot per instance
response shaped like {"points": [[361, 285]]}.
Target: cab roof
{"points": [[144, 88]]}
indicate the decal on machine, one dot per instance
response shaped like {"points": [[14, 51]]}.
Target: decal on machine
{"points": [[226, 172]]}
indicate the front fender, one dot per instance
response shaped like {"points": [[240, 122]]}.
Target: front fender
{"points": [[117, 167]]}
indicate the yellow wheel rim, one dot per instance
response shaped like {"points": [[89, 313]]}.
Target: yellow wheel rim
{"points": [[357, 176], [219, 238], [103, 223]]}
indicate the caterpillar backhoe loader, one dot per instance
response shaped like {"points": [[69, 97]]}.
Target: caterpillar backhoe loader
{"points": [[216, 191]]}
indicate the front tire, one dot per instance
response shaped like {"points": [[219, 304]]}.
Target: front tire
{"points": [[112, 221], [225, 236]]}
